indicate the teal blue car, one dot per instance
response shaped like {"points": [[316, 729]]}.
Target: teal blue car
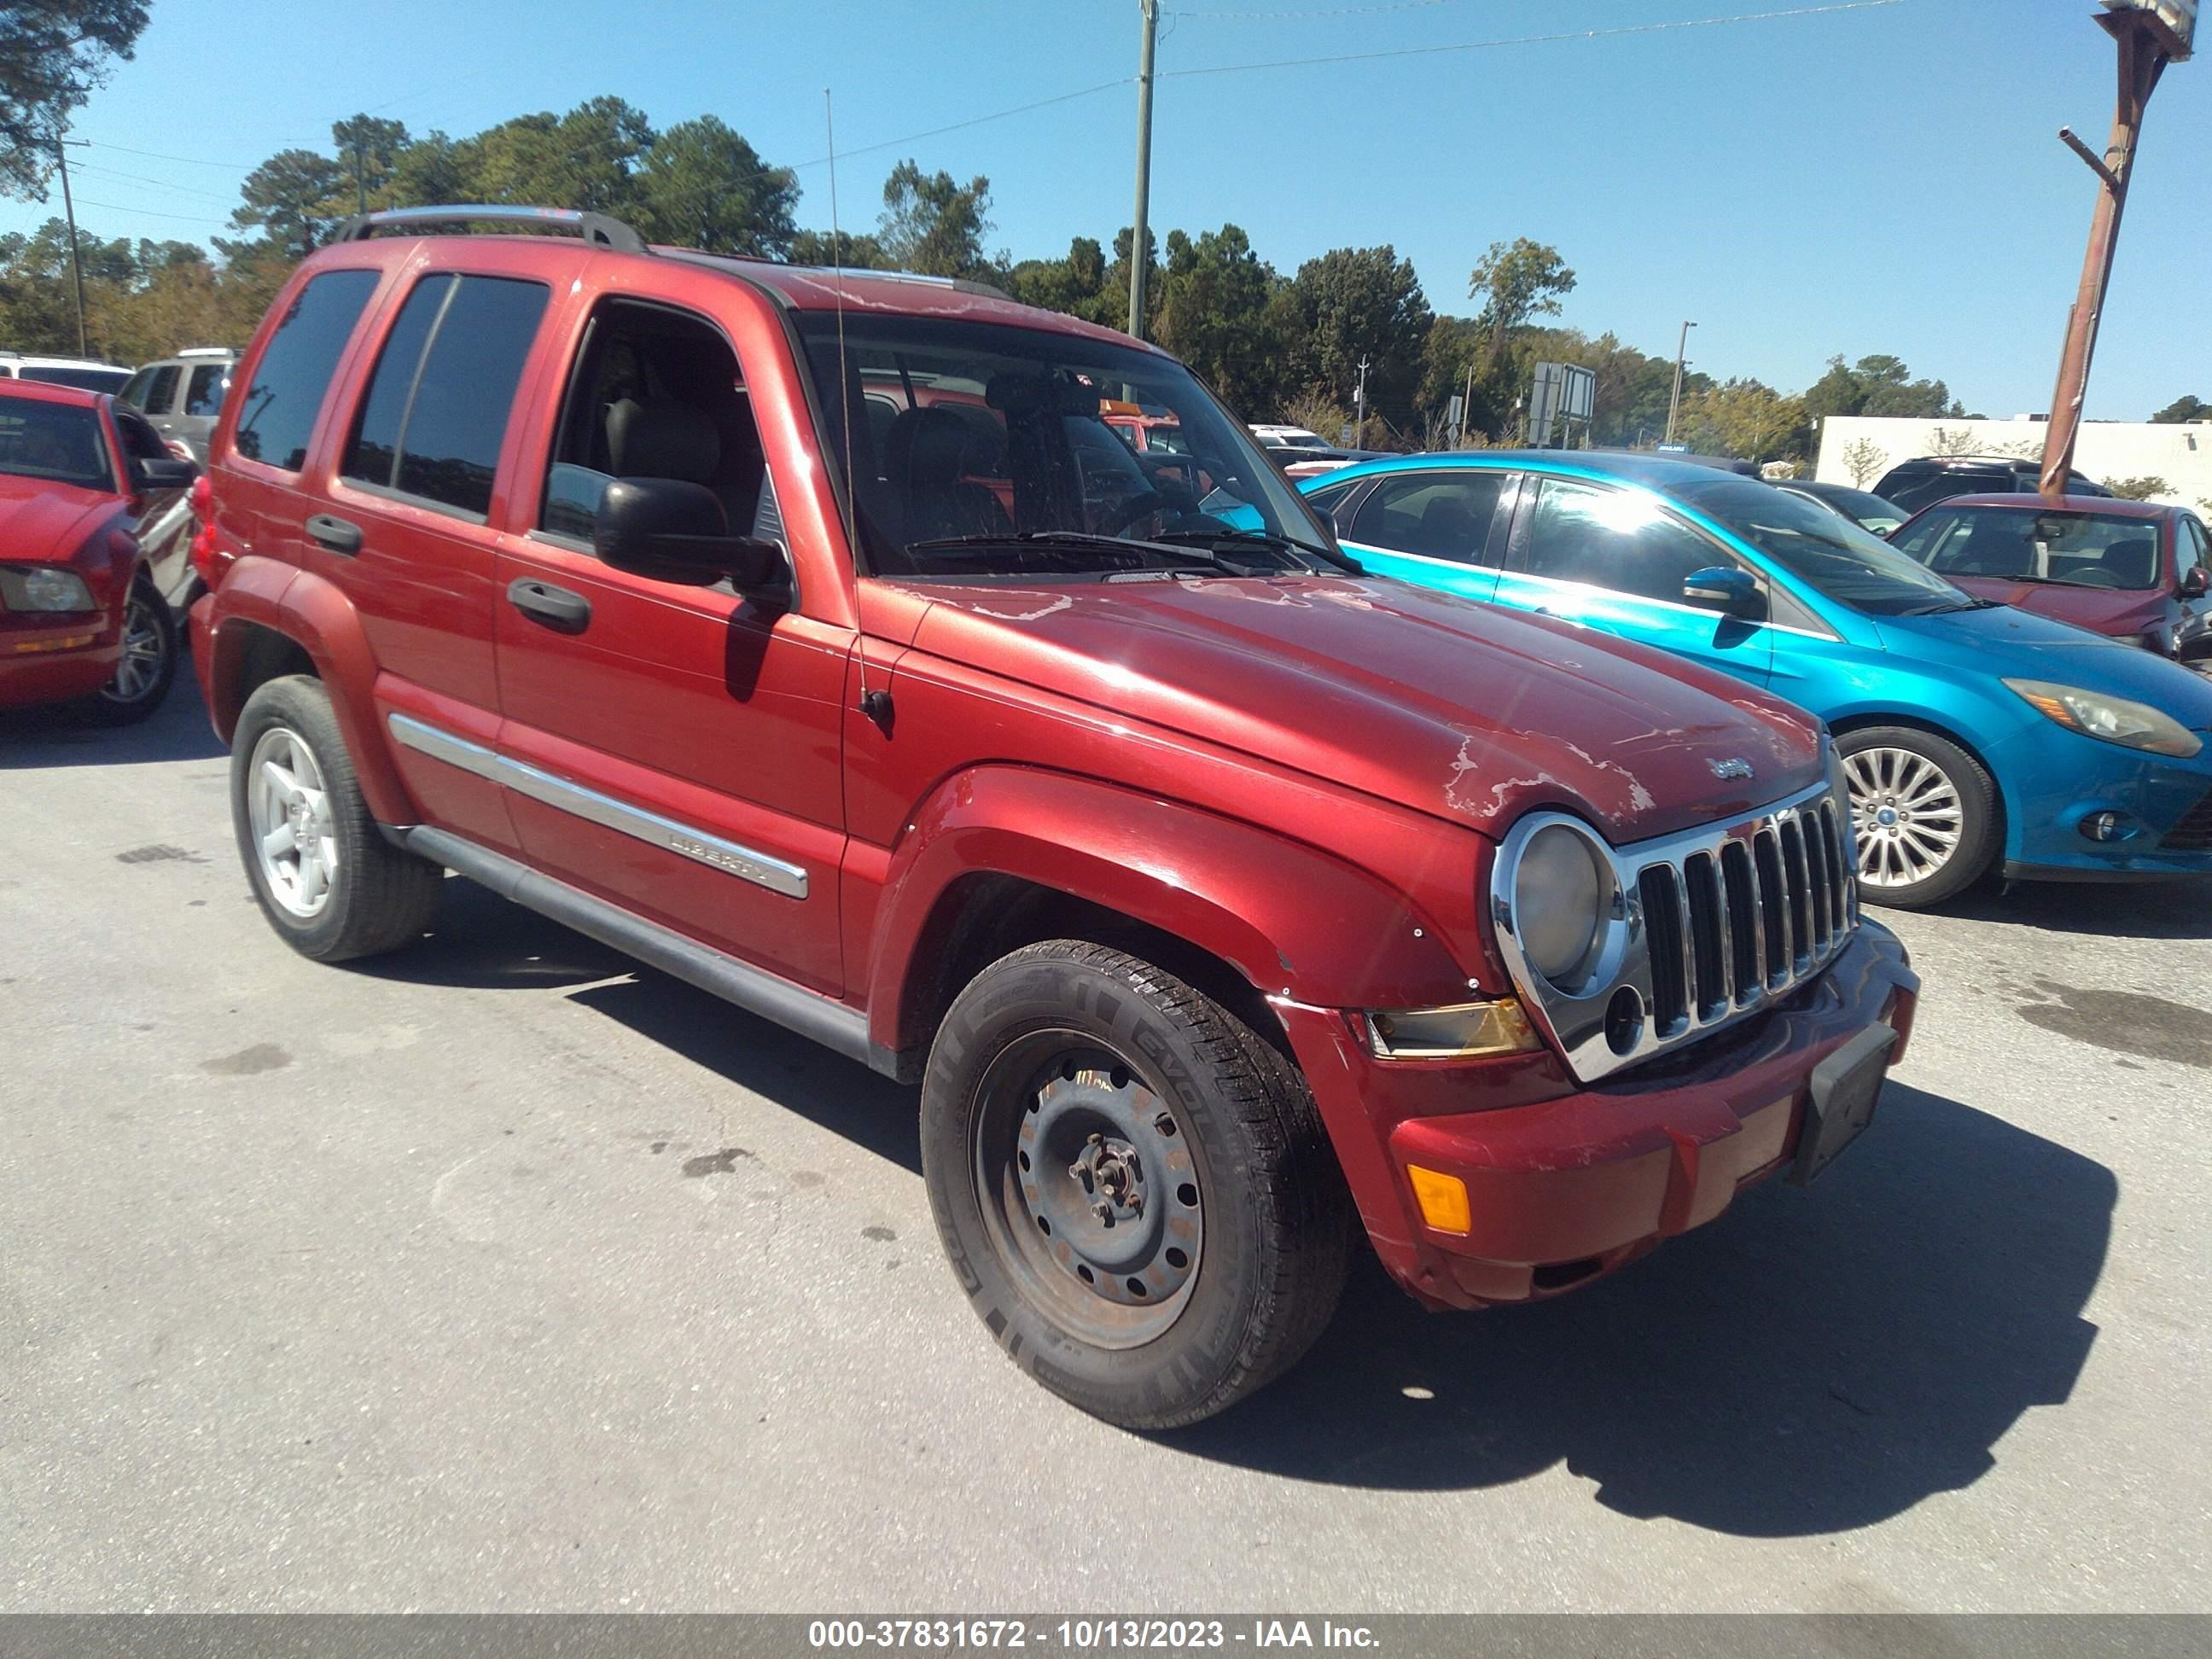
{"points": [[1975, 738]]}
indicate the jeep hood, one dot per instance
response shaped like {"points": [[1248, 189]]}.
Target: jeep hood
{"points": [[42, 522], [1460, 710]]}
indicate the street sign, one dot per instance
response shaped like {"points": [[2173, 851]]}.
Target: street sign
{"points": [[1559, 391]]}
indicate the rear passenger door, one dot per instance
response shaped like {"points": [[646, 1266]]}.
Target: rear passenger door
{"points": [[1438, 527], [404, 527], [1615, 559]]}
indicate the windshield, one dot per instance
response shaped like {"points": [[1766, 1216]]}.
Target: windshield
{"points": [[2073, 550], [979, 449], [58, 442], [85, 380], [1831, 556]]}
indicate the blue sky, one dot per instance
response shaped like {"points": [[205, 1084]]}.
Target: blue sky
{"points": [[1876, 180]]}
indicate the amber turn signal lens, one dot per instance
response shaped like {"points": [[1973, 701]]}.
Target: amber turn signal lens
{"points": [[1442, 1199]]}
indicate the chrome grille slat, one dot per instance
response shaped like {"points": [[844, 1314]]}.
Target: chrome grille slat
{"points": [[1713, 923]]}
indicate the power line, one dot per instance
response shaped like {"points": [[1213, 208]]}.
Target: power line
{"points": [[149, 213], [1534, 40], [140, 179], [1299, 16]]}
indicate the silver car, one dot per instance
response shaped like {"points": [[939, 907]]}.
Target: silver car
{"points": [[182, 395]]}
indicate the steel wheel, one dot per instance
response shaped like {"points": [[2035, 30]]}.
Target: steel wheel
{"points": [[1089, 1189], [288, 810], [1906, 814], [146, 646]]}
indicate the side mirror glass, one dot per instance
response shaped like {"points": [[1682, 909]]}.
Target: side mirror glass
{"points": [[674, 531], [2196, 582], [1726, 589]]}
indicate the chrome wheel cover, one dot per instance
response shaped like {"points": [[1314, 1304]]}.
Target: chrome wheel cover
{"points": [[143, 652], [1906, 814], [288, 810]]}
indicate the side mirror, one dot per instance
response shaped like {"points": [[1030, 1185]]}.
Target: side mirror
{"points": [[2196, 583], [675, 530], [1726, 589], [168, 473]]}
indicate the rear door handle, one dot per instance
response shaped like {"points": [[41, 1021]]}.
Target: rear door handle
{"points": [[555, 607], [339, 535]]}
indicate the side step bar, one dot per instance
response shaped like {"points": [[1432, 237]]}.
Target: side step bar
{"points": [[831, 1023]]}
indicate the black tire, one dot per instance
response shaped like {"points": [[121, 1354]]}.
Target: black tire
{"points": [[1227, 1153], [1976, 819], [134, 694], [378, 898]]}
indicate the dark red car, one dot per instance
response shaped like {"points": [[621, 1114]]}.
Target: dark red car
{"points": [[2133, 570], [79, 621], [1226, 905]]}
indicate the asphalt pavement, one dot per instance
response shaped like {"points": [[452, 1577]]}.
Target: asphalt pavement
{"points": [[500, 1274]]}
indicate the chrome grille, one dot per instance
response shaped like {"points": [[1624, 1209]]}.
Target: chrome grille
{"points": [[1708, 926]]}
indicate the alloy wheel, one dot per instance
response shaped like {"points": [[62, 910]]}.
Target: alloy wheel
{"points": [[1906, 813], [288, 809], [145, 649]]}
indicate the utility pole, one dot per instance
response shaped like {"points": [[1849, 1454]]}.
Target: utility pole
{"points": [[360, 180], [1359, 402], [1140, 236], [1674, 399], [69, 212], [2150, 35]]}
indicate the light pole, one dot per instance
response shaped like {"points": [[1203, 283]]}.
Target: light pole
{"points": [[1674, 399], [69, 212], [1139, 234], [2151, 34]]}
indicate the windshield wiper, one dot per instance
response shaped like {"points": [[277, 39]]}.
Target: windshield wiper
{"points": [[1948, 606], [1332, 564], [1133, 553]]}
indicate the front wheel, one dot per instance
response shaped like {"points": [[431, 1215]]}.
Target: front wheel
{"points": [[1924, 812], [1134, 1189], [148, 666]]}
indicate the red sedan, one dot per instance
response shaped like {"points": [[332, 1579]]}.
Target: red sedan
{"points": [[79, 621], [2130, 570]]}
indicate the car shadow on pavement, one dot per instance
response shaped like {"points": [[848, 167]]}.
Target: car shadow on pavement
{"points": [[2161, 909], [1811, 1362], [31, 738]]}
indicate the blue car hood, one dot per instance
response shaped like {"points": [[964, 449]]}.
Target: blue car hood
{"points": [[2022, 646]]}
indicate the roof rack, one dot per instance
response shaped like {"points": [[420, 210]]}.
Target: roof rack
{"points": [[208, 351], [597, 229]]}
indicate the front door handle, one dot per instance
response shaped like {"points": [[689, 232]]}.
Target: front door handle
{"points": [[339, 535], [555, 607]]}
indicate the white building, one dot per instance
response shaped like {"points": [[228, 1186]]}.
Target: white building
{"points": [[2181, 455]]}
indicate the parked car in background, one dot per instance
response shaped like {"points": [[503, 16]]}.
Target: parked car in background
{"points": [[182, 395], [1222, 902], [1976, 736], [1869, 511], [1914, 484], [2133, 570], [80, 622], [88, 373]]}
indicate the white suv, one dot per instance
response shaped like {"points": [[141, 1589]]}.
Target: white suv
{"points": [[87, 373]]}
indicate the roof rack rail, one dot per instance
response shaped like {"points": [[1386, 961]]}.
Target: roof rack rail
{"points": [[597, 229]]}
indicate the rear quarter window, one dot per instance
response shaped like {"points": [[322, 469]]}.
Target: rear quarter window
{"points": [[280, 404]]}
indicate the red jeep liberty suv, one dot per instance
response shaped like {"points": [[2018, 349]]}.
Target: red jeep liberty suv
{"points": [[811, 636]]}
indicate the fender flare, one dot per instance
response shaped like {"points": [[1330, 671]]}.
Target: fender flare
{"points": [[314, 613], [1296, 922]]}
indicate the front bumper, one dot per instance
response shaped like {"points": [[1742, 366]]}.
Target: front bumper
{"points": [[1564, 1189], [2054, 780], [39, 664]]}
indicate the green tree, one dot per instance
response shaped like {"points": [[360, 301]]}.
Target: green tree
{"points": [[584, 158], [1516, 282], [2183, 410], [1879, 385], [1865, 461], [53, 54], [292, 198], [702, 185], [1363, 302], [1072, 285], [369, 148], [1746, 418], [819, 247], [2138, 489], [1216, 314], [935, 226]]}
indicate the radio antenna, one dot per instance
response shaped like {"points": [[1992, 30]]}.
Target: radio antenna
{"points": [[876, 705]]}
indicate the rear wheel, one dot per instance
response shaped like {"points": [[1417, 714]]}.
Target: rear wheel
{"points": [[1134, 1189], [330, 883], [148, 665], [1924, 812]]}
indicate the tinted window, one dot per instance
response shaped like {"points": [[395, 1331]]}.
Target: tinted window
{"points": [[294, 371], [2070, 550], [438, 404], [1622, 539], [87, 380], [59, 442], [1438, 515], [1329, 500], [1917, 489], [133, 388], [204, 396], [1830, 554], [2191, 549], [140, 441], [161, 390]]}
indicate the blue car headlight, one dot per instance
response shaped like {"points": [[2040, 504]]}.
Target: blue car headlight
{"points": [[2113, 720]]}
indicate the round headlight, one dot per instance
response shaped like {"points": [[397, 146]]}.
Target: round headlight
{"points": [[1559, 900]]}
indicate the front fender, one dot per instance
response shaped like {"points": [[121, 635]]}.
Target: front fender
{"points": [[312, 612], [1294, 920]]}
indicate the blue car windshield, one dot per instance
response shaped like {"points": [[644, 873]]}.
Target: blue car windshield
{"points": [[1831, 556]]}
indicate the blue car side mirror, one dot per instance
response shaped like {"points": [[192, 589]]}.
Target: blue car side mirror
{"points": [[1723, 588]]}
